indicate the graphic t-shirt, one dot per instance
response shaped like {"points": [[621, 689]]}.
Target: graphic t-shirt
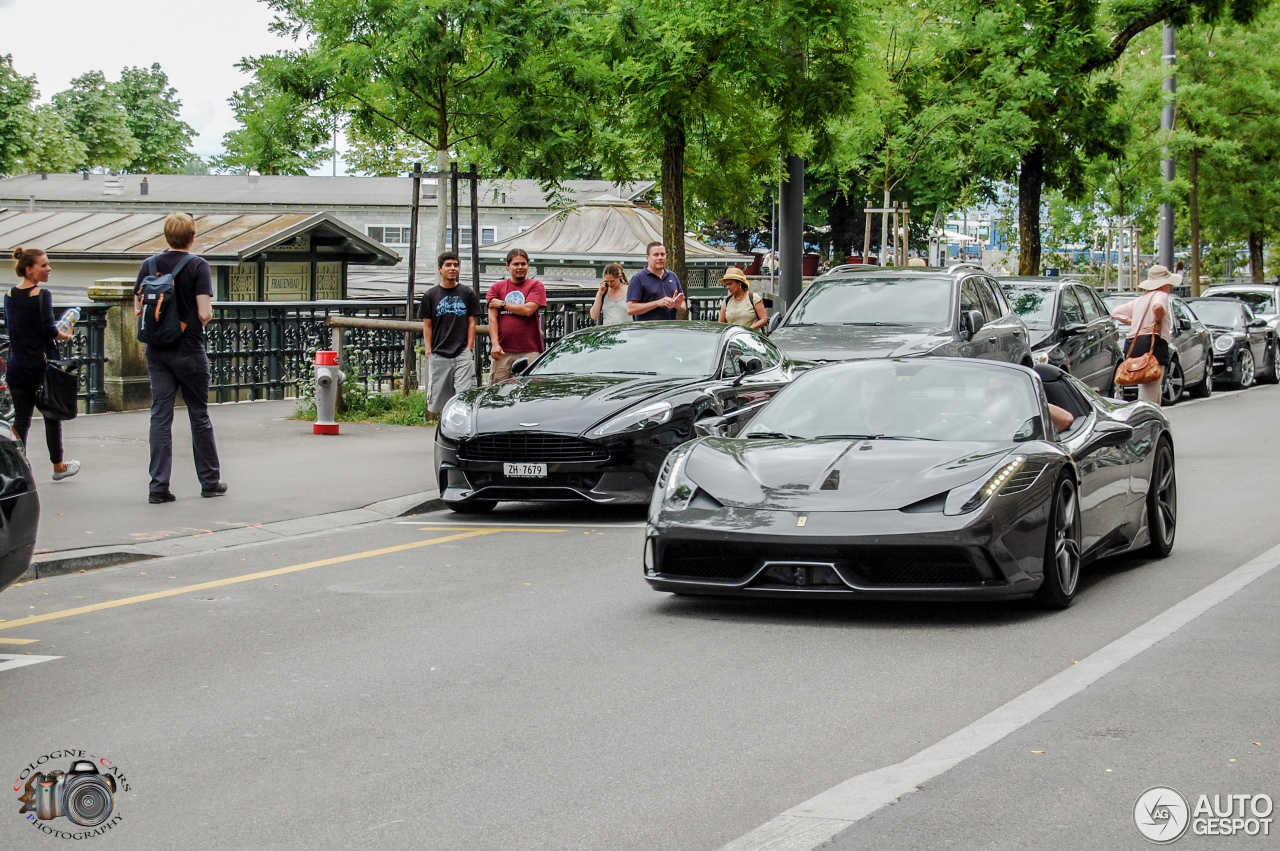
{"points": [[450, 310], [193, 280], [518, 333]]}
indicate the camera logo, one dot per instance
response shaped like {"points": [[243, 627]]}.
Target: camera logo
{"points": [[1161, 815], [84, 794]]}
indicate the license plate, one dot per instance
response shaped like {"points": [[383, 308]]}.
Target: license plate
{"points": [[524, 471]]}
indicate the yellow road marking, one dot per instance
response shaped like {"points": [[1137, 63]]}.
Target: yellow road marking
{"points": [[235, 580], [19, 641]]}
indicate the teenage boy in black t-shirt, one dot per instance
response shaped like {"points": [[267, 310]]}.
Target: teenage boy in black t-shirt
{"points": [[448, 313], [181, 366]]}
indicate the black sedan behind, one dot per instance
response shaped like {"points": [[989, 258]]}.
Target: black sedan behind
{"points": [[1070, 328], [1244, 346], [595, 416]]}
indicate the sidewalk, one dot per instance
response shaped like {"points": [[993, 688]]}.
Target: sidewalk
{"points": [[282, 480]]}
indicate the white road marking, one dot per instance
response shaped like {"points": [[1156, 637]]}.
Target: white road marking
{"points": [[8, 661], [808, 825]]}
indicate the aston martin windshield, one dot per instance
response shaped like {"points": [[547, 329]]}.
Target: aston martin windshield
{"points": [[1220, 314], [1034, 303], [876, 301], [924, 400], [632, 351]]}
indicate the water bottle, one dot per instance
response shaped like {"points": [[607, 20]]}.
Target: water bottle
{"points": [[64, 324]]}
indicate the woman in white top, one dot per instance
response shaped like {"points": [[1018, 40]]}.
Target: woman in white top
{"points": [[741, 306], [611, 298], [1150, 319]]}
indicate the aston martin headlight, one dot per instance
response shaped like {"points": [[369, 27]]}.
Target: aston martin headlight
{"points": [[456, 420], [635, 419], [680, 488], [974, 498], [1223, 343]]}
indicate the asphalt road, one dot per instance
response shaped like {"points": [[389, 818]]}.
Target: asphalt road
{"points": [[511, 683]]}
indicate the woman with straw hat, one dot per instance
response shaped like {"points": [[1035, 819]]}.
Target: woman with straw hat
{"points": [[741, 306], [1150, 320]]}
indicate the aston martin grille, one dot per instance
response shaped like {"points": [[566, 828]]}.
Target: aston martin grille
{"points": [[547, 448]]}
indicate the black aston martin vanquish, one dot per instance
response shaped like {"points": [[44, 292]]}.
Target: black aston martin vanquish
{"points": [[935, 478], [594, 417]]}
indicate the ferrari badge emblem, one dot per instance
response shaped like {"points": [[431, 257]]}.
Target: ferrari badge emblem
{"points": [[800, 521]]}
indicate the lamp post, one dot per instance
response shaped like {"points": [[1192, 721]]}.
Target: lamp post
{"points": [[1167, 164]]}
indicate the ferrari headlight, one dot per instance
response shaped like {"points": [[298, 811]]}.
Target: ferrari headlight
{"points": [[1223, 343], [635, 419], [974, 497], [456, 420], [680, 488]]}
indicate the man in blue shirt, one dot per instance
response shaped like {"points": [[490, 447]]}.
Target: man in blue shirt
{"points": [[654, 293]]}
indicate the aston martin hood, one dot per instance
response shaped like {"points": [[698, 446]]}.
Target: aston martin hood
{"points": [[836, 475], [858, 342], [566, 404]]}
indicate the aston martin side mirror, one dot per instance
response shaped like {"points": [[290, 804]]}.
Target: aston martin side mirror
{"points": [[520, 367], [747, 366]]}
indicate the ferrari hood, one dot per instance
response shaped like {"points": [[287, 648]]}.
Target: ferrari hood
{"points": [[836, 475], [567, 404], [858, 342]]}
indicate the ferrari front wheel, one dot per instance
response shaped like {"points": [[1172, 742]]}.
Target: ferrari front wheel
{"points": [[1062, 549]]}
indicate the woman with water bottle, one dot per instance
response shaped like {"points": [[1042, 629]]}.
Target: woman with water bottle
{"points": [[28, 315]]}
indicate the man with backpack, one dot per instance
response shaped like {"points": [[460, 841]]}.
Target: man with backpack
{"points": [[173, 300]]}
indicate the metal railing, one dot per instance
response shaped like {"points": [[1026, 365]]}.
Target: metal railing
{"points": [[84, 354]]}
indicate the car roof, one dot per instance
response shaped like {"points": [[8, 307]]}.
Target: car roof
{"points": [[1242, 288], [1214, 298], [1027, 281], [970, 363], [910, 272]]}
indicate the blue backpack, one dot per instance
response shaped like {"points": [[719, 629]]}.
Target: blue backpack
{"points": [[159, 324]]}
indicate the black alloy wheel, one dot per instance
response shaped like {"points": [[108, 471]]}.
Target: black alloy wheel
{"points": [[1162, 501], [1174, 383], [1062, 549], [1204, 389], [478, 506], [1246, 369]]}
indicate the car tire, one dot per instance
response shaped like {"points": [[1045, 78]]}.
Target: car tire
{"points": [[1272, 375], [1162, 501], [478, 506], [1173, 384], [1204, 389], [1246, 369], [1062, 548]]}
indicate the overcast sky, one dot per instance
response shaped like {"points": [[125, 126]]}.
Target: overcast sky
{"points": [[196, 42]]}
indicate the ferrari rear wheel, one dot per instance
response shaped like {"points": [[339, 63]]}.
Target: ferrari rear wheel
{"points": [[1162, 501], [1062, 549]]}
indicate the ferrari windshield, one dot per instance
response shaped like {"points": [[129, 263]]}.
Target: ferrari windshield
{"points": [[1220, 314], [1033, 302], [876, 301], [634, 350], [920, 400]]}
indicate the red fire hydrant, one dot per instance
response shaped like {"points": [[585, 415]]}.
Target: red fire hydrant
{"points": [[328, 377]]}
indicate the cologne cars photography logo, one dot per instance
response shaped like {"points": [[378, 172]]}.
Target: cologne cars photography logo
{"points": [[1161, 815], [84, 794]]}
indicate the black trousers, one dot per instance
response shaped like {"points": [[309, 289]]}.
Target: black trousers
{"points": [[24, 403], [185, 369]]}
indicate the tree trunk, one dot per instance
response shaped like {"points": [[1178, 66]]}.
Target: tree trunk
{"points": [[673, 200], [843, 220], [1030, 185], [1193, 214], [1256, 261], [442, 202]]}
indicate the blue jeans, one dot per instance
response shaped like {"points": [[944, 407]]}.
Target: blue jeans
{"points": [[187, 369]]}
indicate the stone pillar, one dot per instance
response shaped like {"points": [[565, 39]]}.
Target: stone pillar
{"points": [[125, 373]]}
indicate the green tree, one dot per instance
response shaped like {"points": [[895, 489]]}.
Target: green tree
{"points": [[16, 118], [278, 132], [54, 147], [95, 114], [384, 152], [152, 108]]}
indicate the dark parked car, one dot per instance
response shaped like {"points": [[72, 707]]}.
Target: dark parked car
{"points": [[1263, 299], [594, 417], [1191, 365], [1070, 328], [960, 312], [19, 503], [1244, 346], [935, 478]]}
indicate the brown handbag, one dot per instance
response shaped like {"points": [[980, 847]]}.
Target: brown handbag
{"points": [[1143, 369]]}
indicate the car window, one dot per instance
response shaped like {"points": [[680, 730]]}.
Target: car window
{"points": [[631, 349], [1001, 301], [875, 300], [1069, 310], [1098, 304], [969, 299], [1261, 302], [758, 347], [1085, 297], [990, 307], [1181, 312], [1219, 314], [737, 348]]}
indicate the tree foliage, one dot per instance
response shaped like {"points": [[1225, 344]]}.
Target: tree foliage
{"points": [[95, 114], [279, 133], [16, 117], [151, 112]]}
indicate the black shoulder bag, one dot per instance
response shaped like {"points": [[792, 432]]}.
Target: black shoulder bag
{"points": [[57, 395]]}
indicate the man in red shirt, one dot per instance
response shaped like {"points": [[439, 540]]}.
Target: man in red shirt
{"points": [[514, 331]]}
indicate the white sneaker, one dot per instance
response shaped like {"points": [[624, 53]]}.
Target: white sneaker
{"points": [[73, 467]]}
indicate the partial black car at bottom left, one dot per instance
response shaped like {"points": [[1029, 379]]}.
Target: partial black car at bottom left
{"points": [[594, 417], [19, 503]]}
